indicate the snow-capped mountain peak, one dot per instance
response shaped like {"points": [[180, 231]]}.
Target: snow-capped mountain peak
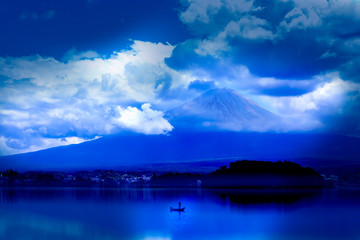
{"points": [[223, 108]]}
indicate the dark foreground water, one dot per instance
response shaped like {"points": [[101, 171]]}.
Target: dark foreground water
{"points": [[209, 214]]}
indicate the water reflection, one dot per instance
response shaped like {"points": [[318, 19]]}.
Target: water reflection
{"points": [[209, 214], [223, 196], [280, 200]]}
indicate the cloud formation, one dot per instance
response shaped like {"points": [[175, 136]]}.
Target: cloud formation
{"points": [[37, 16], [46, 102], [297, 58], [322, 109], [146, 120], [282, 39]]}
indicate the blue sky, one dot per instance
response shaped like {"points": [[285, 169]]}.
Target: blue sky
{"points": [[73, 71], [51, 28]]}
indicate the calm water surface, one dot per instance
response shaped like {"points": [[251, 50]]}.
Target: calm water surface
{"points": [[209, 214]]}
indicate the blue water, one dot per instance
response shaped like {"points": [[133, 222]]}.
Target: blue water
{"points": [[209, 214]]}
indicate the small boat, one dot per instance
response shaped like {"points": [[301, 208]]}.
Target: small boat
{"points": [[177, 209]]}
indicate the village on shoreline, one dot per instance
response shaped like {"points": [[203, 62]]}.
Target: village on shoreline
{"points": [[240, 174]]}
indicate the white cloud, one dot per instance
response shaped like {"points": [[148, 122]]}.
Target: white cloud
{"points": [[301, 18], [240, 24], [249, 27], [126, 76], [45, 102], [213, 46], [203, 10], [305, 112], [38, 144], [325, 95], [43, 98], [199, 10], [244, 19], [146, 120], [328, 97], [74, 55]]}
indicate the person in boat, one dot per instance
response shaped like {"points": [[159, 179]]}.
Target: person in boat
{"points": [[179, 204]]}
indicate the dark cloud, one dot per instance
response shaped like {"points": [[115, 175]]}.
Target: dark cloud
{"points": [[299, 56], [185, 57], [163, 88], [305, 41], [350, 70], [296, 57], [207, 18], [292, 51], [289, 41], [285, 91], [348, 121], [273, 11]]}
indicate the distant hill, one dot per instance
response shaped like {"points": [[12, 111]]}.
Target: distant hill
{"points": [[246, 174], [263, 174]]}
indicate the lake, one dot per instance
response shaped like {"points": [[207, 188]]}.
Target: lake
{"points": [[76, 213]]}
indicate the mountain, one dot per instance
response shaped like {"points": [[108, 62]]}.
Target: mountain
{"points": [[134, 150], [224, 109], [217, 109]]}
